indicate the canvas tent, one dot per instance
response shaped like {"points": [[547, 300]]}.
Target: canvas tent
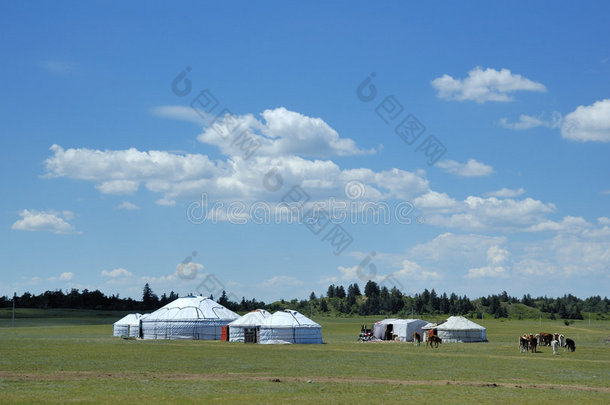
{"points": [[458, 329], [289, 326], [403, 328], [192, 317], [247, 328], [128, 326]]}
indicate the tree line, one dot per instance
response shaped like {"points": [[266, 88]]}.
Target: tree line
{"points": [[341, 301]]}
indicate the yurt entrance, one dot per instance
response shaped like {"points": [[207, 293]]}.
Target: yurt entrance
{"points": [[250, 335]]}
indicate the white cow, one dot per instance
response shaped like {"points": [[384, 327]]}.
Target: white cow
{"points": [[562, 340]]}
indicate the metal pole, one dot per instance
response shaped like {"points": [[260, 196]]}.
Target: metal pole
{"points": [[13, 320]]}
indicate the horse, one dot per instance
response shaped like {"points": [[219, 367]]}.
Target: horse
{"points": [[416, 338], [434, 341]]}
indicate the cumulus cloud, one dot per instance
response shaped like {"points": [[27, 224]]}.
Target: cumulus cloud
{"points": [[496, 256], [66, 276], [280, 132], [471, 168], [486, 214], [588, 123], [484, 85], [129, 206], [48, 221], [184, 177], [506, 192], [413, 271], [118, 272], [528, 122]]}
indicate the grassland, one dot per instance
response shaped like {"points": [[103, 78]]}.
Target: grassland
{"points": [[72, 357]]}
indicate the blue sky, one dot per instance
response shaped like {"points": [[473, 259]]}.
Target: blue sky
{"points": [[108, 152]]}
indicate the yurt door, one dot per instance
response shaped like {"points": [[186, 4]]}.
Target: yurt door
{"points": [[250, 335]]}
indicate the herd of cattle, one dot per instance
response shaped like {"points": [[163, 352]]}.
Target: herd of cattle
{"points": [[531, 342]]}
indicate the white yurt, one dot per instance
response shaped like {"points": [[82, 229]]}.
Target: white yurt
{"points": [[192, 317], [128, 326], [459, 329], [289, 326], [402, 328], [247, 328]]}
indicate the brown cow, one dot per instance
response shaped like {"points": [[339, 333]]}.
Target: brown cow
{"points": [[416, 338], [531, 339], [434, 341], [545, 339]]}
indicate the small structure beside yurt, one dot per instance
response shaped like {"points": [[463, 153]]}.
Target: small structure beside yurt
{"points": [[247, 328], [401, 329], [458, 329], [289, 326], [127, 326], [192, 317]]}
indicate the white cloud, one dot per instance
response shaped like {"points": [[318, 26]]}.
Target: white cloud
{"points": [[606, 192], [281, 281], [492, 214], [281, 132], [496, 256], [49, 221], [165, 202], [588, 123], [471, 168], [328, 280], [185, 177], [180, 113], [506, 193], [118, 187], [484, 85], [603, 220], [568, 224], [66, 276], [413, 271], [118, 272], [129, 206], [435, 201], [528, 122], [57, 66]]}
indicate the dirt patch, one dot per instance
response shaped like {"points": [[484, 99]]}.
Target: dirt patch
{"points": [[83, 375]]}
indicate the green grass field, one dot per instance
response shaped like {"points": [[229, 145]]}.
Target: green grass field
{"points": [[70, 356]]}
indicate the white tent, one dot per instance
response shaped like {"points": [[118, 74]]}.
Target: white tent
{"points": [[247, 328], [459, 329], [187, 318], [128, 326], [290, 326], [403, 328]]}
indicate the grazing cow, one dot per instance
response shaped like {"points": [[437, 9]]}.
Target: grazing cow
{"points": [[545, 339], [416, 338], [523, 344], [555, 345], [570, 345], [434, 341], [531, 339]]}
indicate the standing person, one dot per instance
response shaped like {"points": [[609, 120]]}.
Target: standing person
{"points": [[555, 345]]}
